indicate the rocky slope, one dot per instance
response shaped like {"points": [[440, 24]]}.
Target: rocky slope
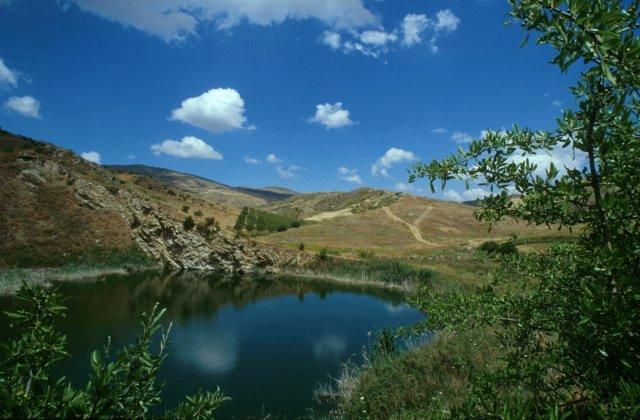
{"points": [[54, 201]]}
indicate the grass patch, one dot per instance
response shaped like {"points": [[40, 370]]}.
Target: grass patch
{"points": [[423, 382], [95, 257], [388, 271]]}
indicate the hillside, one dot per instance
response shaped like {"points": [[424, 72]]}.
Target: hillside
{"points": [[54, 204], [326, 205], [208, 189], [409, 225]]}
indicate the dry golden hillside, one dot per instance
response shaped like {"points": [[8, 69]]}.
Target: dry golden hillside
{"points": [[411, 224]]}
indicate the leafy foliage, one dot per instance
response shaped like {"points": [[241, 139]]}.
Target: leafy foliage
{"points": [[568, 320], [505, 248], [255, 220], [122, 386], [188, 223]]}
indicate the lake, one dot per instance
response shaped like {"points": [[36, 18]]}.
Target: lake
{"points": [[266, 342]]}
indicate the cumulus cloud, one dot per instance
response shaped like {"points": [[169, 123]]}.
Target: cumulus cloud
{"points": [[467, 195], [349, 175], [249, 159], [439, 131], [378, 38], [8, 77], [91, 156], [27, 106], [331, 116], [563, 158], [461, 137], [217, 111], [287, 171], [176, 20], [415, 27], [271, 158], [332, 39], [188, 147], [413, 30], [392, 157], [412, 27], [404, 187], [556, 103]]}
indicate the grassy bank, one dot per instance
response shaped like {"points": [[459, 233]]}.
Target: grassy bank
{"points": [[422, 382], [390, 273], [20, 266]]}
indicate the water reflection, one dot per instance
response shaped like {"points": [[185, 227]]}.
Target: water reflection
{"points": [[266, 341]]}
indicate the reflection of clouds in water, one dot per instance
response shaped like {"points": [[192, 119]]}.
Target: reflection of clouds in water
{"points": [[329, 346], [397, 309], [214, 353]]}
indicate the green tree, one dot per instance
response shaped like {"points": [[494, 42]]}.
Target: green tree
{"points": [[121, 387], [570, 326]]}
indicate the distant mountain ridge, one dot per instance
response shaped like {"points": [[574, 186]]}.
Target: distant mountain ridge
{"points": [[235, 196]]}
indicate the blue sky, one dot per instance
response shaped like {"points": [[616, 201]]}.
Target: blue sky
{"points": [[272, 92]]}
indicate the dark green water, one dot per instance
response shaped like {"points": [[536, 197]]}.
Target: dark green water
{"points": [[267, 343]]}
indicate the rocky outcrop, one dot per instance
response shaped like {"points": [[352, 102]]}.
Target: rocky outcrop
{"points": [[160, 236]]}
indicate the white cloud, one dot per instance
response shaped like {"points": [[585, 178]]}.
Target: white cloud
{"points": [[349, 175], [467, 195], [91, 157], [271, 158], [461, 137], [378, 38], [188, 147], [556, 103], [25, 105], [131, 157], [288, 171], [391, 157], [8, 77], [249, 159], [217, 110], [175, 20], [446, 21], [561, 157], [331, 116], [439, 131], [332, 39], [400, 186], [414, 27]]}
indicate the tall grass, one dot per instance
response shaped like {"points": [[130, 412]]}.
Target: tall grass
{"points": [[423, 382], [388, 271]]}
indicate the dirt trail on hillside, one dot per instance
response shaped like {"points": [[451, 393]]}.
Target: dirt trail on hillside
{"points": [[414, 230]]}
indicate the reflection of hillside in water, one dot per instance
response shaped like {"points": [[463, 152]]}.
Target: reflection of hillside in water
{"points": [[188, 294]]}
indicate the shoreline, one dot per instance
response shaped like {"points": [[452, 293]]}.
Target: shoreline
{"points": [[310, 275], [11, 279]]}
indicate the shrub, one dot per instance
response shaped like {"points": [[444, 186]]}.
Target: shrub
{"points": [[209, 221], [197, 213], [188, 223], [505, 248], [185, 209], [301, 247], [366, 253], [123, 386], [282, 228], [323, 254], [296, 224]]}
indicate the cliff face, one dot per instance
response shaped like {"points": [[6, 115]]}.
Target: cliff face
{"points": [[54, 201]]}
